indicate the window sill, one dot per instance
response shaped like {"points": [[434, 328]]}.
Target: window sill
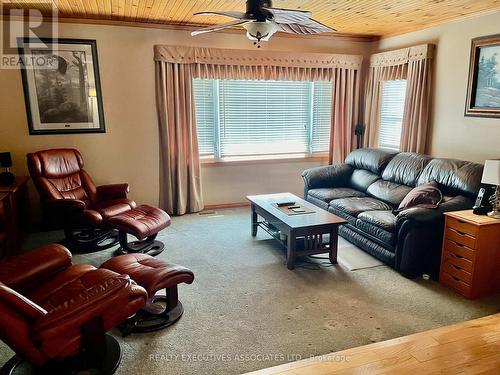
{"points": [[264, 159]]}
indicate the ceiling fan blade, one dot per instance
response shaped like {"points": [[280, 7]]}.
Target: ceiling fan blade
{"points": [[219, 27], [308, 26], [296, 28], [288, 15], [237, 15]]}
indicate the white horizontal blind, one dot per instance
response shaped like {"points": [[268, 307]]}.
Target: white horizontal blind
{"points": [[322, 116], [263, 117], [240, 118], [391, 113], [205, 115]]}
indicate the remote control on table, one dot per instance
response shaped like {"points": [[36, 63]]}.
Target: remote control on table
{"points": [[285, 204]]}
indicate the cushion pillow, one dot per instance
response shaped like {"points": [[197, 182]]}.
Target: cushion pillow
{"points": [[426, 196]]}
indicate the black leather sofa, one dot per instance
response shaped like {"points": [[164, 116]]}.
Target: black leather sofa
{"points": [[372, 183]]}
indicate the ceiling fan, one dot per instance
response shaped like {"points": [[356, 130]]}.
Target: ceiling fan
{"points": [[261, 21]]}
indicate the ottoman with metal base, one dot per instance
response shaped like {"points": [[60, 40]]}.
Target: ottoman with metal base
{"points": [[153, 275], [143, 222]]}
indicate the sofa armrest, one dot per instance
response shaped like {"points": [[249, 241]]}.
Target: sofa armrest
{"points": [[23, 271], [111, 192], [327, 176], [105, 297], [425, 215]]}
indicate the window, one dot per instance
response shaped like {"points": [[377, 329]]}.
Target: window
{"points": [[391, 113], [250, 118]]}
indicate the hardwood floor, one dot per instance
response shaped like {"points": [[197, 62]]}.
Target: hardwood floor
{"points": [[470, 347]]}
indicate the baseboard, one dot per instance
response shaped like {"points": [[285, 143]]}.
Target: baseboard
{"points": [[226, 205]]}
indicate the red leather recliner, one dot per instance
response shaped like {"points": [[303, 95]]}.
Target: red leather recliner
{"points": [[53, 311], [70, 199]]}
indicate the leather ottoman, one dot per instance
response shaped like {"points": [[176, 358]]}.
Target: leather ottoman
{"points": [[153, 275], [143, 222]]}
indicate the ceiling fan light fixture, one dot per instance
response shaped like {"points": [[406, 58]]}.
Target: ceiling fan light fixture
{"points": [[259, 31]]}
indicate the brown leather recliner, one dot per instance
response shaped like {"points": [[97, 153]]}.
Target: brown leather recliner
{"points": [[55, 314], [70, 199]]}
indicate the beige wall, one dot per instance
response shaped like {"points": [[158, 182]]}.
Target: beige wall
{"points": [[129, 150], [453, 134]]}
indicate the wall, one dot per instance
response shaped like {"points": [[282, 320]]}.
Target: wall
{"points": [[129, 150], [453, 134]]}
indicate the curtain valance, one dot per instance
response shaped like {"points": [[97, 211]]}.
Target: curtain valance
{"points": [[402, 56], [217, 56]]}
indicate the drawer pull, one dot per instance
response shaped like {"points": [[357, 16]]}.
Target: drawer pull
{"points": [[457, 256], [456, 267], [455, 278], [461, 221], [459, 244], [461, 233]]}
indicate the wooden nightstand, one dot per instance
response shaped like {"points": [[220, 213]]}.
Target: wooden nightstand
{"points": [[14, 215], [470, 263]]}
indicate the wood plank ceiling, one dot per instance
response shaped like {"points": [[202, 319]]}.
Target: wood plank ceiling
{"points": [[363, 17]]}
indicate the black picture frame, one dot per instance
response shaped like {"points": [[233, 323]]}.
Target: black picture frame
{"points": [[472, 107], [90, 71]]}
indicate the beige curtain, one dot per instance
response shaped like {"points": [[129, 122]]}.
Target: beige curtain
{"points": [[345, 111], [414, 65], [180, 181], [417, 103]]}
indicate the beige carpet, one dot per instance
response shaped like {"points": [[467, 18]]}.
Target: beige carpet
{"points": [[246, 311]]}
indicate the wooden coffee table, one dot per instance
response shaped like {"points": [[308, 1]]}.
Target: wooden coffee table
{"points": [[301, 235]]}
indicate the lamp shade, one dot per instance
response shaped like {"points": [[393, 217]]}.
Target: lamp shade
{"points": [[260, 30], [491, 172], [5, 160]]}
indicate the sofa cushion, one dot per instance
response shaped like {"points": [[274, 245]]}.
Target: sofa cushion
{"points": [[329, 194], [361, 179], [317, 202], [405, 167], [385, 220], [388, 191], [455, 177], [379, 224], [371, 159], [350, 208], [344, 215]]}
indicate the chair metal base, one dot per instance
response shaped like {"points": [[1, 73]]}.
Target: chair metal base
{"points": [[160, 312], [106, 365], [89, 240], [148, 246]]}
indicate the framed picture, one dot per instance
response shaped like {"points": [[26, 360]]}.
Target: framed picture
{"points": [[483, 91], [61, 84]]}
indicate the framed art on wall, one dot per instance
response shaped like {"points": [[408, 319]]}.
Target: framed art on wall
{"points": [[483, 91], [61, 84]]}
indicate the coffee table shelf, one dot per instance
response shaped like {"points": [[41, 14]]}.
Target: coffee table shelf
{"points": [[301, 235]]}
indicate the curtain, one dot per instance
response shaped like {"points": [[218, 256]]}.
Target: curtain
{"points": [[345, 108], [414, 65], [180, 180], [417, 103]]}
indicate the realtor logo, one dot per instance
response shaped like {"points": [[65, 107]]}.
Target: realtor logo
{"points": [[23, 21]]}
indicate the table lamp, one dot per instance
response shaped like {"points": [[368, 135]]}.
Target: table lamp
{"points": [[491, 175]]}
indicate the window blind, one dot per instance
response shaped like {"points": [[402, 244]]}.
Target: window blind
{"points": [[322, 116], [391, 113], [205, 115], [240, 118]]}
